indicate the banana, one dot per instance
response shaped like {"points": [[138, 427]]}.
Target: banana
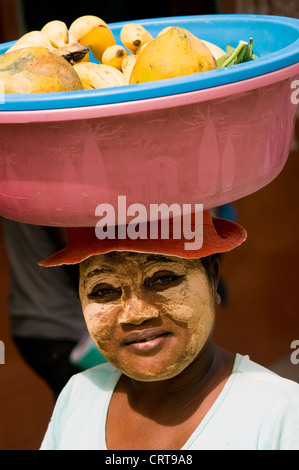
{"points": [[73, 53], [216, 51], [134, 36], [70, 52], [114, 56], [94, 75], [57, 32], [127, 67], [93, 32], [33, 38], [86, 58]]}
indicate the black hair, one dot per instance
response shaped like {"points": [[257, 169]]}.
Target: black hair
{"points": [[209, 264]]}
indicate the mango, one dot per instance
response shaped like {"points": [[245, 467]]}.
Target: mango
{"points": [[175, 53], [36, 70]]}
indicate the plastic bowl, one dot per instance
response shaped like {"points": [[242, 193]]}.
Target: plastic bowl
{"points": [[208, 138]]}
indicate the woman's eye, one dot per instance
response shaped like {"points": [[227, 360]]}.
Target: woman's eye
{"points": [[105, 292], [163, 280]]}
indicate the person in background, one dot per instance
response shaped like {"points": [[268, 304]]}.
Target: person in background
{"points": [[46, 316]]}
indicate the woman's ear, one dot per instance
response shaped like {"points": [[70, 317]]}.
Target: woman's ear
{"points": [[217, 298]]}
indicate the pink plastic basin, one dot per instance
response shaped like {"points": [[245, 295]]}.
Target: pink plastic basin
{"points": [[210, 146]]}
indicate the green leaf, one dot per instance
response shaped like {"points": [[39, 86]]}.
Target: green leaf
{"points": [[221, 60], [242, 53], [233, 58], [247, 54], [240, 56], [229, 49]]}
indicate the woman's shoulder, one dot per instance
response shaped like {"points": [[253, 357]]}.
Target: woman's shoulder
{"points": [[257, 376], [101, 376], [85, 384], [85, 396]]}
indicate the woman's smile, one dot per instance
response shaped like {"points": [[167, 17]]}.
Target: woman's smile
{"points": [[145, 341]]}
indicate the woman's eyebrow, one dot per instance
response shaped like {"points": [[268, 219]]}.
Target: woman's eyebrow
{"points": [[158, 258], [96, 272]]}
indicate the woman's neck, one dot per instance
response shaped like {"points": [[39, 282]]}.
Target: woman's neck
{"points": [[211, 367], [163, 415]]}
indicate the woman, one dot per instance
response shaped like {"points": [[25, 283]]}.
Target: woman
{"points": [[150, 309]]}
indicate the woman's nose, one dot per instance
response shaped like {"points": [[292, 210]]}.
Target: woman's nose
{"points": [[136, 311]]}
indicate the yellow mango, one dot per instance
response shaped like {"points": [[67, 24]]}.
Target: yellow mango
{"points": [[37, 70], [175, 53]]}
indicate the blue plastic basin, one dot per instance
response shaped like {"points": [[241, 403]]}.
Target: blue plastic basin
{"points": [[275, 40]]}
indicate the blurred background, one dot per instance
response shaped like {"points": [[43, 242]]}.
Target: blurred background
{"points": [[259, 315]]}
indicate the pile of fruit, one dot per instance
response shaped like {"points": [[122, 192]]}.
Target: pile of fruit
{"points": [[57, 58]]}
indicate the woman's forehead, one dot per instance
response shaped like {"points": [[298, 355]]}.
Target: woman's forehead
{"points": [[138, 259]]}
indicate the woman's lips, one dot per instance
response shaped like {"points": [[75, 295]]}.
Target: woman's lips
{"points": [[144, 341]]}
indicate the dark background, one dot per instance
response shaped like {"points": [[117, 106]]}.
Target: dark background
{"points": [[114, 10], [33, 15]]}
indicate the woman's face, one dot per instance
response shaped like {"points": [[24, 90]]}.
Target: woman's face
{"points": [[149, 315]]}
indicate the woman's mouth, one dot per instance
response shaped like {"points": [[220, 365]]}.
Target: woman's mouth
{"points": [[145, 341]]}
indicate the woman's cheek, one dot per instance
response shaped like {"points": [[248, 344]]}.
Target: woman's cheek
{"points": [[99, 321], [196, 313], [186, 308]]}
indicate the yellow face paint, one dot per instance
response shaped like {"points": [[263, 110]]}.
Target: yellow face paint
{"points": [[149, 315]]}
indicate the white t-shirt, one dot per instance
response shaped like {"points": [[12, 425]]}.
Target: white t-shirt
{"points": [[256, 410]]}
